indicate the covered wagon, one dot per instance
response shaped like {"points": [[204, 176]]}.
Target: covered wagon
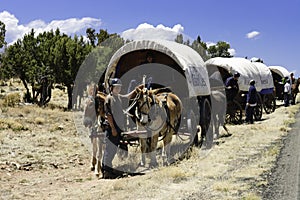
{"points": [[248, 70], [172, 65], [279, 73], [267, 84]]}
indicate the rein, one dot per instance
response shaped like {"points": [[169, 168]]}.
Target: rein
{"points": [[133, 104]]}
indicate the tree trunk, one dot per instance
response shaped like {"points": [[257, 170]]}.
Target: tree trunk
{"points": [[35, 92], [27, 97], [69, 90]]}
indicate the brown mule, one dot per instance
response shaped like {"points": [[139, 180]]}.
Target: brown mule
{"points": [[160, 114]]}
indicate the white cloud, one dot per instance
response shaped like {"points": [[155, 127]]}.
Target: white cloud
{"points": [[232, 52], [209, 44], [252, 34], [71, 26], [148, 31]]}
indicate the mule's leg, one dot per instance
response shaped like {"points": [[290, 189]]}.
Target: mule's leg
{"points": [[144, 146], [94, 153], [143, 142], [166, 152], [99, 155], [216, 124], [153, 145], [293, 98]]}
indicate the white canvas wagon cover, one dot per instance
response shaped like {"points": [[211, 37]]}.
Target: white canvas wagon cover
{"points": [[248, 70], [282, 71], [188, 59]]}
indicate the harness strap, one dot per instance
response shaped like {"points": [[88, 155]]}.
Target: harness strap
{"points": [[175, 129], [132, 105]]}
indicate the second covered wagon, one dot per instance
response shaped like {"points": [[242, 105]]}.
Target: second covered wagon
{"points": [[248, 70]]}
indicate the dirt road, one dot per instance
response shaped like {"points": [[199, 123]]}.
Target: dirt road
{"points": [[284, 182]]}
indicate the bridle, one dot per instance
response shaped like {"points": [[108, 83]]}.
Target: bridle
{"points": [[150, 102], [139, 108]]}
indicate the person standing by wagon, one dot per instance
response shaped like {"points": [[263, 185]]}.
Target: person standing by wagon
{"points": [[115, 118], [287, 92], [292, 78], [232, 86], [251, 102], [293, 89], [90, 116]]}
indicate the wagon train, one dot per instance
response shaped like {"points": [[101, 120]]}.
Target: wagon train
{"points": [[170, 90], [248, 70]]}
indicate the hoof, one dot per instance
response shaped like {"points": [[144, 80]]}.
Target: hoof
{"points": [[142, 164], [97, 174], [92, 168], [153, 165]]}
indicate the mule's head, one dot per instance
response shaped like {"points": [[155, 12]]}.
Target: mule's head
{"points": [[89, 112], [99, 104], [144, 102], [94, 108]]}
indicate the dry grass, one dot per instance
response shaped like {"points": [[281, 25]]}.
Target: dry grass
{"points": [[251, 196], [12, 124], [174, 173], [223, 186], [12, 99], [57, 162], [39, 120]]}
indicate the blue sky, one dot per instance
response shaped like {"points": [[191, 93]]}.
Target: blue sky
{"points": [[273, 26]]}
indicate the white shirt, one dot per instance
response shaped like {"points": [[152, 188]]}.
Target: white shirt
{"points": [[287, 88]]}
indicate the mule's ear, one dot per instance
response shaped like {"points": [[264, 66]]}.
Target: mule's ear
{"points": [[155, 91], [152, 92], [102, 95], [140, 86], [138, 90], [162, 90]]}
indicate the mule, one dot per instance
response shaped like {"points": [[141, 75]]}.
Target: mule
{"points": [[94, 116], [219, 106], [160, 114]]}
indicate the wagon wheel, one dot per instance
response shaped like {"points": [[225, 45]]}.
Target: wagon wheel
{"points": [[269, 103], [205, 118], [191, 123], [234, 113], [258, 108]]}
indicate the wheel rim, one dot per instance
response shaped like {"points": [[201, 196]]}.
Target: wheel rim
{"points": [[258, 109], [234, 113], [269, 103]]}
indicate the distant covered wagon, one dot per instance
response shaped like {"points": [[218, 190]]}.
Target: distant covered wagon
{"points": [[279, 73], [267, 87], [171, 65], [248, 70]]}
